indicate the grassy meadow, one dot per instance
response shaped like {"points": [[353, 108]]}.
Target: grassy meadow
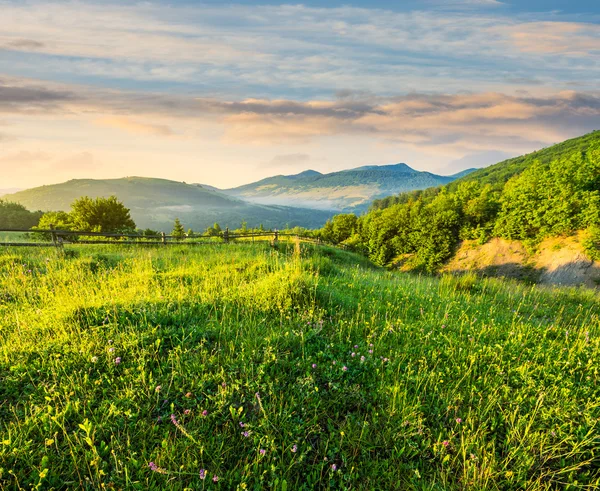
{"points": [[243, 366]]}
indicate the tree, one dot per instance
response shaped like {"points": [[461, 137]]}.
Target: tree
{"points": [[150, 233], [101, 215], [14, 215], [213, 231], [178, 230], [60, 220]]}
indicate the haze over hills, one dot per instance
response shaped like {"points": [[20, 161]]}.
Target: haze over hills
{"points": [[155, 203], [347, 190], [9, 191], [306, 199]]}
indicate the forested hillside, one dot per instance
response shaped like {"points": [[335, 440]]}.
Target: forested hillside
{"points": [[550, 192]]}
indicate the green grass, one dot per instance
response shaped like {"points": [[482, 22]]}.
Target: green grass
{"points": [[471, 384]]}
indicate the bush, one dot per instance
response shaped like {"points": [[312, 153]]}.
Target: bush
{"points": [[591, 243]]}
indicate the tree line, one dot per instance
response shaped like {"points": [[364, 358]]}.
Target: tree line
{"points": [[108, 215]]}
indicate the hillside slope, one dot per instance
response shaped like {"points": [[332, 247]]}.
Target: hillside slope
{"points": [[549, 193], [155, 203], [351, 189]]}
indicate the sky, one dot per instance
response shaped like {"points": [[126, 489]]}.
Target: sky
{"points": [[228, 93]]}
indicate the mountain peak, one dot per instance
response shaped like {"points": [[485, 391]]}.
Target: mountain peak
{"points": [[306, 173], [401, 167]]}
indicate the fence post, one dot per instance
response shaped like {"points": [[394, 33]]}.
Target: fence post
{"points": [[53, 233], [275, 237], [226, 235], [163, 238]]}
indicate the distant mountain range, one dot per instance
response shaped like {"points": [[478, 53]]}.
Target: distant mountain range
{"points": [[348, 190], [155, 203], [307, 199]]}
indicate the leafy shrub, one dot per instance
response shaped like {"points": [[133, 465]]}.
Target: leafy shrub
{"points": [[591, 243]]}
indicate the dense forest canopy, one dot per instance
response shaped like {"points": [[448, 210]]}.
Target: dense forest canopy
{"points": [[551, 192], [16, 216]]}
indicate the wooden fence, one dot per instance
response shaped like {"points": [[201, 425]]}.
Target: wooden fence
{"points": [[58, 238]]}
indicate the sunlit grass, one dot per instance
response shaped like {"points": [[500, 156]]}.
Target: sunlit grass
{"points": [[288, 369]]}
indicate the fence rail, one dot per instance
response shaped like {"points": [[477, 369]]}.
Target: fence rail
{"points": [[61, 237]]}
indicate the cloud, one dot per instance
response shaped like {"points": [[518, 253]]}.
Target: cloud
{"points": [[459, 123], [30, 98], [299, 49], [24, 44], [82, 162], [287, 160], [557, 38], [135, 127], [477, 121], [466, 4], [23, 158], [5, 137]]}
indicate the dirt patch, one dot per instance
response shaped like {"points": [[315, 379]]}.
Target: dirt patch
{"points": [[498, 257], [563, 262], [557, 261]]}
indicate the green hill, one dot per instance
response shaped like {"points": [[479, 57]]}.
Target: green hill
{"points": [[155, 203], [351, 189], [547, 193]]}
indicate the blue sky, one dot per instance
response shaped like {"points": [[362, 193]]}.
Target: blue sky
{"points": [[229, 93], [514, 6]]}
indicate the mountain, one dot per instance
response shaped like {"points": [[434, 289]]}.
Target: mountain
{"points": [[463, 173], [347, 190], [9, 191], [155, 203]]}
